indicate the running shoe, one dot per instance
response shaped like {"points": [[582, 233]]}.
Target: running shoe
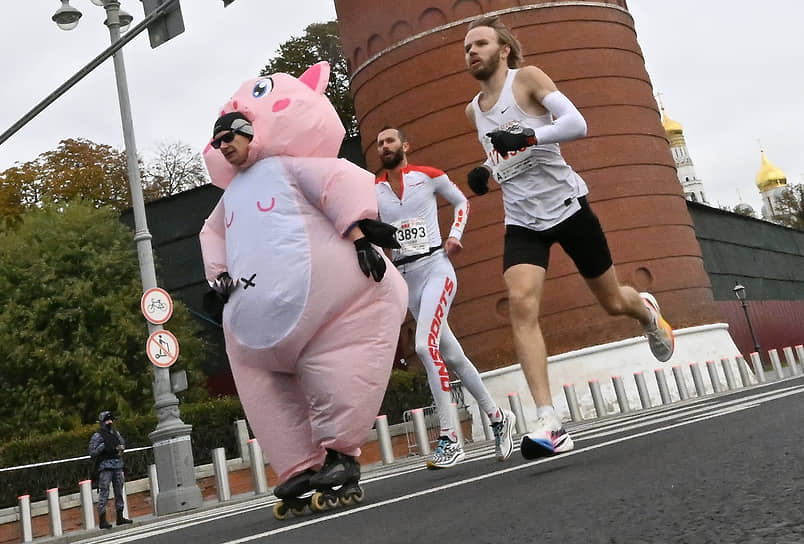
{"points": [[549, 438], [659, 332], [447, 454], [504, 435]]}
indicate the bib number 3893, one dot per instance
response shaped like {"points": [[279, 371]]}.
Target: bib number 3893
{"points": [[412, 237]]}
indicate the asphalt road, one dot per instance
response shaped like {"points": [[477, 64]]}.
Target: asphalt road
{"points": [[721, 469]]}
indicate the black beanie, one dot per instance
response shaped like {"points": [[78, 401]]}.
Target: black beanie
{"points": [[234, 120]]}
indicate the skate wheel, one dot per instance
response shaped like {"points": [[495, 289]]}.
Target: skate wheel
{"points": [[280, 511], [318, 503], [298, 511], [358, 497], [346, 500]]}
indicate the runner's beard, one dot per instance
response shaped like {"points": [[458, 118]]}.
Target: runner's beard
{"points": [[393, 161], [486, 69]]}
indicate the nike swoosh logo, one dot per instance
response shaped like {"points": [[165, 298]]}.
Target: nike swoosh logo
{"points": [[504, 110]]}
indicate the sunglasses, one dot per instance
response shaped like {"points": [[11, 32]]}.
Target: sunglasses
{"points": [[223, 138]]}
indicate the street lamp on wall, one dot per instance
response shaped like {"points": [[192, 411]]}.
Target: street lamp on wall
{"points": [[173, 454], [739, 292]]}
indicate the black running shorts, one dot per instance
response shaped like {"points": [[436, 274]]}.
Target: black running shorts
{"points": [[580, 235]]}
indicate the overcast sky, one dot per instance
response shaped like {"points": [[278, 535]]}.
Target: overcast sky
{"points": [[730, 71]]}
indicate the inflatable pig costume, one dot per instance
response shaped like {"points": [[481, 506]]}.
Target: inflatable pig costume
{"points": [[310, 338]]}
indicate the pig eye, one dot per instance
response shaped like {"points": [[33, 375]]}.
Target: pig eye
{"points": [[262, 87]]}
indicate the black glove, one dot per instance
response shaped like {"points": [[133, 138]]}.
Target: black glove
{"points": [[224, 285], [382, 234], [371, 263], [479, 180], [215, 298], [504, 141]]}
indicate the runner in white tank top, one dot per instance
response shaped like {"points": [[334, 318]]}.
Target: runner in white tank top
{"points": [[406, 198], [521, 117], [539, 188]]}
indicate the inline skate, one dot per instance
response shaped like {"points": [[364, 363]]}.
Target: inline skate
{"points": [[294, 495], [336, 482]]}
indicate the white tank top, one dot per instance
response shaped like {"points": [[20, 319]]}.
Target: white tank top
{"points": [[539, 188]]}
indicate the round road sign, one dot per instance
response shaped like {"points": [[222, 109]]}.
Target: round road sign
{"points": [[162, 348], [156, 305]]}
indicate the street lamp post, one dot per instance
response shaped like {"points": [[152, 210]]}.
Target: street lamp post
{"points": [[173, 455], [739, 292]]}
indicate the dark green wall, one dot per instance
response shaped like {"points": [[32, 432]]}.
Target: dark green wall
{"points": [[767, 259]]}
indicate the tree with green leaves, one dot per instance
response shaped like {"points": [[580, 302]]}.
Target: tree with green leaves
{"points": [[321, 41], [77, 168], [72, 336], [790, 206]]}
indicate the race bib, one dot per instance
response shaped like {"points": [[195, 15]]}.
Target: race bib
{"points": [[515, 163], [412, 236]]}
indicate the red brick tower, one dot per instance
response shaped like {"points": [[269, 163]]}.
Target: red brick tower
{"points": [[407, 67]]}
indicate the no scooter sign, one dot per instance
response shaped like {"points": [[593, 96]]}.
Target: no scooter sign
{"points": [[156, 305], [162, 348]]}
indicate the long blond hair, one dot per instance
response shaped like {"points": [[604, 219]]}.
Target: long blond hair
{"points": [[504, 37]]}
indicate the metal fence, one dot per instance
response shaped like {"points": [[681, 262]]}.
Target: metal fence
{"points": [[431, 418]]}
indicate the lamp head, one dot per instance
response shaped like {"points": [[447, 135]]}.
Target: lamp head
{"points": [[125, 20], [66, 17], [739, 291]]}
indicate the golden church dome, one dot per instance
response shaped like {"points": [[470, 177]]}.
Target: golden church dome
{"points": [[769, 176], [670, 126]]}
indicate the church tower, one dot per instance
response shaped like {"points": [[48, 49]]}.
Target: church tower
{"points": [[685, 170], [772, 183]]}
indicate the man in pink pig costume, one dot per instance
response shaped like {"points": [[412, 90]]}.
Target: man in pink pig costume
{"points": [[312, 311]]}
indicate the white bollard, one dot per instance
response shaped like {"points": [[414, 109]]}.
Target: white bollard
{"points": [[713, 376], [55, 511], [661, 382], [800, 353], [597, 398], [759, 370], [257, 467], [25, 517], [516, 408], [642, 389], [619, 391], [420, 431], [153, 479], [87, 509], [742, 368], [241, 432], [222, 489], [384, 439], [791, 361], [725, 362], [681, 384], [697, 379], [572, 402], [777, 363]]}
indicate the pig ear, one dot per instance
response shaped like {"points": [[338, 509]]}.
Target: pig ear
{"points": [[316, 77]]}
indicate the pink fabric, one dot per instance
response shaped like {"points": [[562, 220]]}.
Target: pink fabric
{"points": [[310, 339]]}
